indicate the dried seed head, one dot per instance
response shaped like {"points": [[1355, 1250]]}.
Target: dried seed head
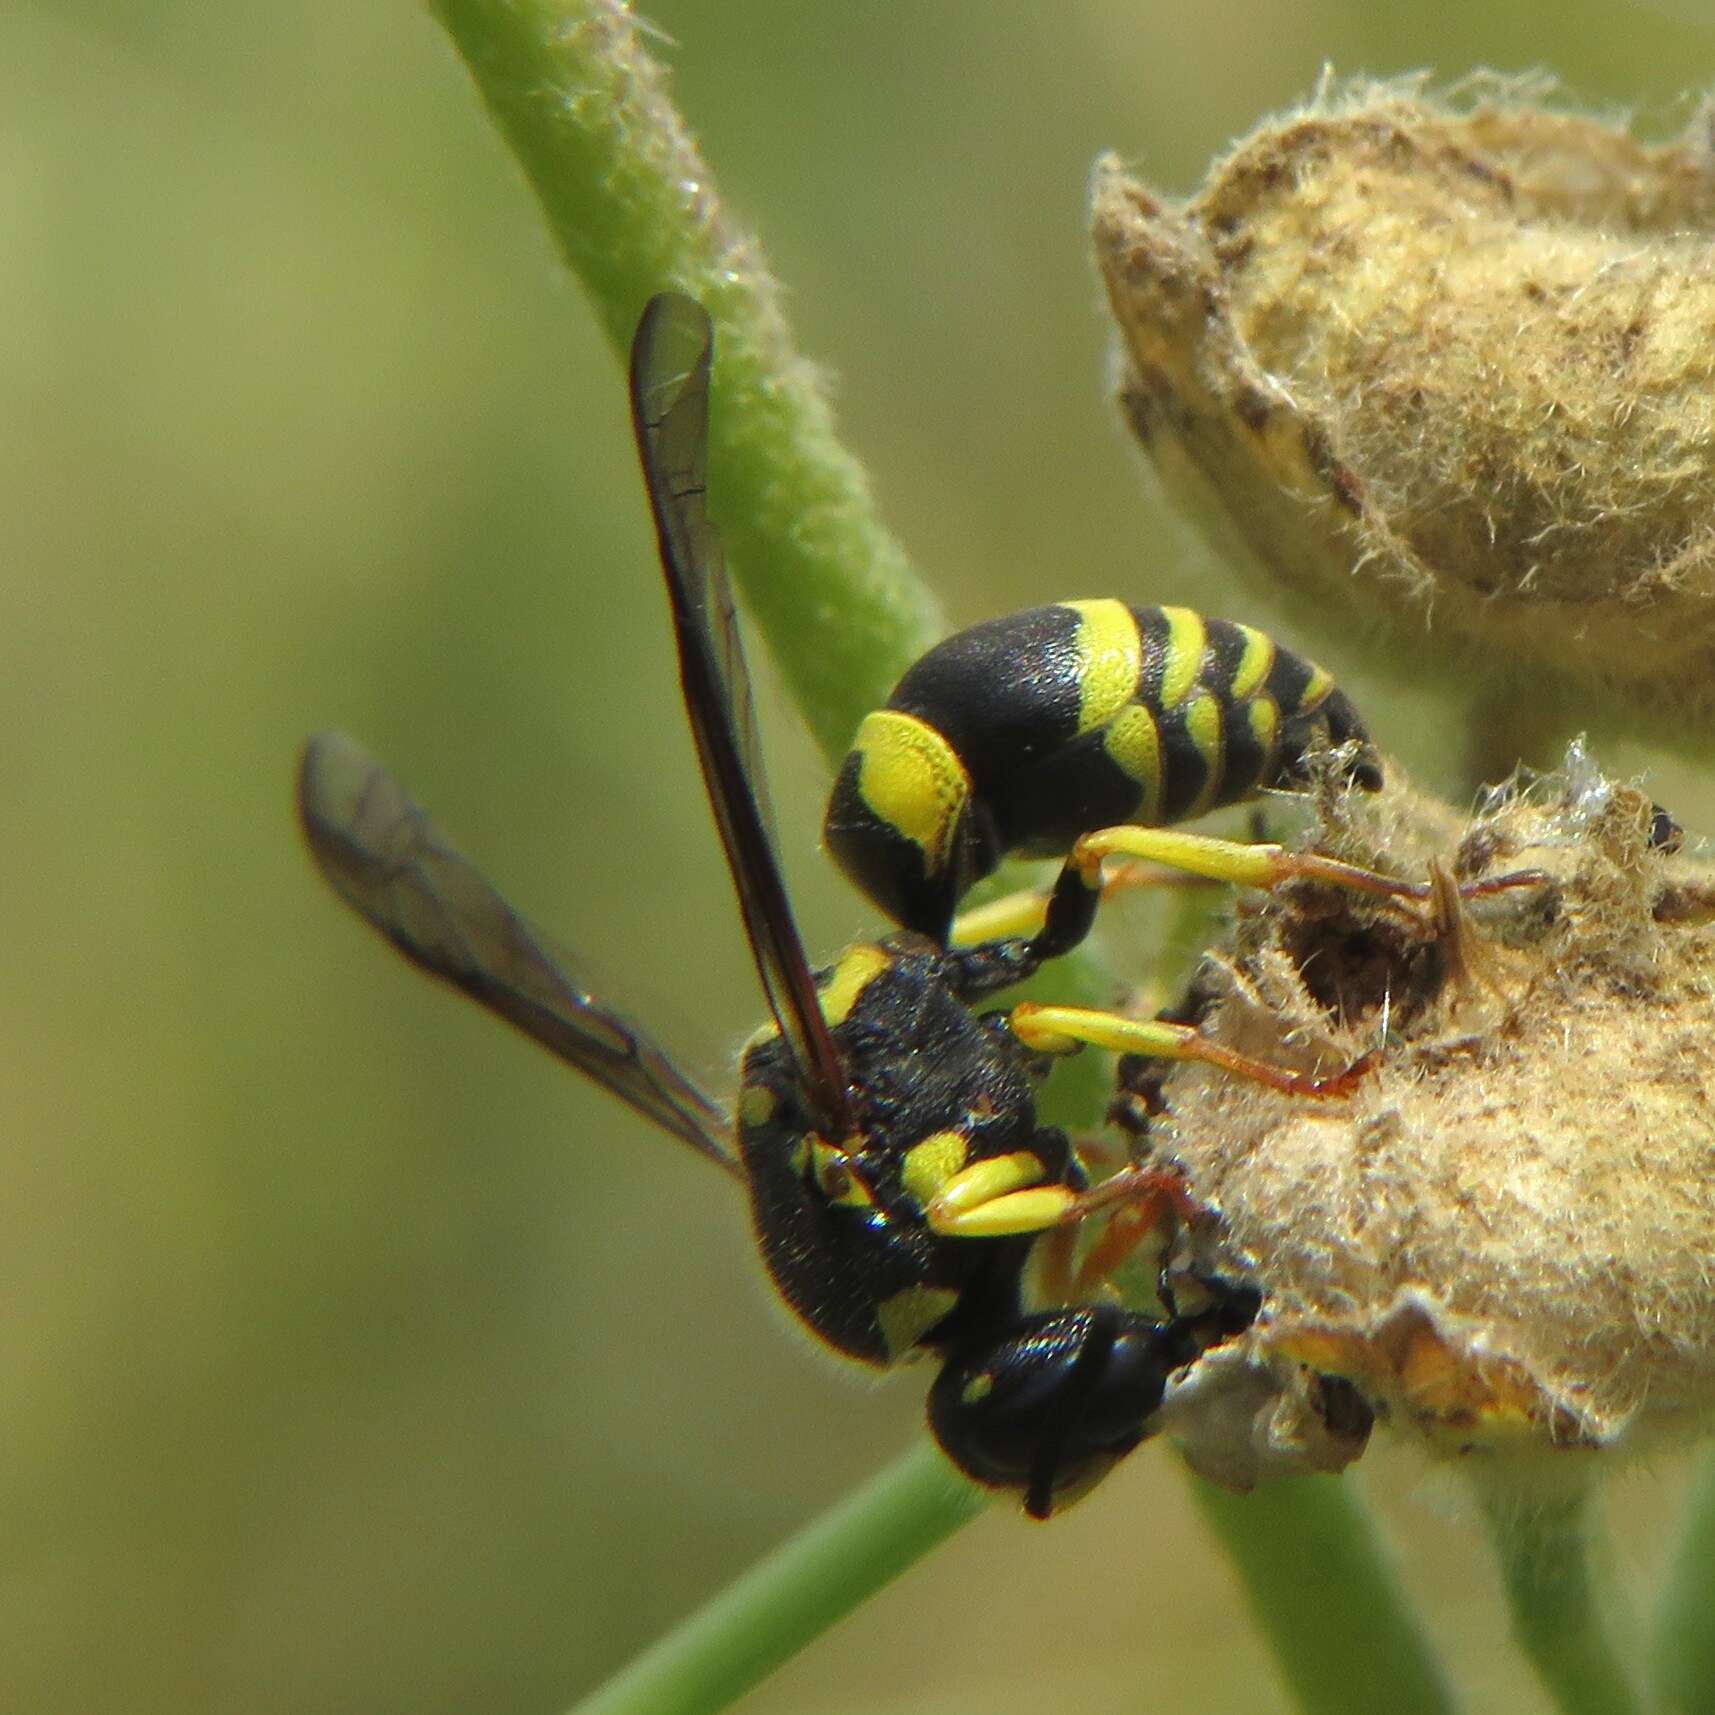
{"points": [[1505, 1240], [1452, 366]]}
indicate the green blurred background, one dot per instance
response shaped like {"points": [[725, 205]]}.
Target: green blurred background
{"points": [[352, 1355]]}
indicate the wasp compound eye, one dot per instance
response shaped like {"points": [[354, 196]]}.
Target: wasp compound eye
{"points": [[1055, 1401]]}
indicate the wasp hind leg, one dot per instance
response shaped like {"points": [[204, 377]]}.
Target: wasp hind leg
{"points": [[1072, 902]]}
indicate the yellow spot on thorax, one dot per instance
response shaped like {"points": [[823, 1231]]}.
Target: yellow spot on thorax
{"points": [[839, 1184], [930, 1164], [1110, 657], [907, 1316], [755, 1106], [913, 780], [858, 967]]}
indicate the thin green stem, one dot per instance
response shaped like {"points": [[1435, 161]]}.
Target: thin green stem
{"points": [[1325, 1597], [633, 208], [1684, 1657], [796, 1593], [1560, 1617]]}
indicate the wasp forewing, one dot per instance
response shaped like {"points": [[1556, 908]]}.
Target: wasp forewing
{"points": [[395, 868], [670, 409]]}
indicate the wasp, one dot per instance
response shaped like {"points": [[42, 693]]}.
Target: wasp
{"points": [[1084, 729], [905, 1198]]}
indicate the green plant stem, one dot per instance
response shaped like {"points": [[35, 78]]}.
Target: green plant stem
{"points": [[1684, 1655], [1559, 1618], [633, 208], [1324, 1596], [796, 1593]]}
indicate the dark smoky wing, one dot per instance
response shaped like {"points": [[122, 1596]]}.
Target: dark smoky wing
{"points": [[394, 867], [670, 409]]}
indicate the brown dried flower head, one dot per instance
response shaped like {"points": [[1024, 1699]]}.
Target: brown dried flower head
{"points": [[1446, 367], [1504, 1242]]}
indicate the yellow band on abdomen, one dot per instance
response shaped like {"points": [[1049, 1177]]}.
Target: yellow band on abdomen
{"points": [[1109, 659]]}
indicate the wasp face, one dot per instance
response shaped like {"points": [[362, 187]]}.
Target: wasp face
{"points": [[1056, 1399]]}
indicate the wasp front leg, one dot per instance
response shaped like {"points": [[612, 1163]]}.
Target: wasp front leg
{"points": [[1012, 1196], [990, 1200]]}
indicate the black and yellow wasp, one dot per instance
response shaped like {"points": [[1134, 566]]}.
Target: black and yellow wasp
{"points": [[1081, 730], [886, 1132]]}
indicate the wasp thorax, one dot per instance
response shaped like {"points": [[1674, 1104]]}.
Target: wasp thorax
{"points": [[1500, 1242], [1446, 364]]}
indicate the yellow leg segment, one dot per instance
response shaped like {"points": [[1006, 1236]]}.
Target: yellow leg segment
{"points": [[1261, 865], [1062, 1029], [1071, 903], [999, 1197], [966, 1206], [1020, 913], [1023, 913], [1002, 1196], [1018, 1212]]}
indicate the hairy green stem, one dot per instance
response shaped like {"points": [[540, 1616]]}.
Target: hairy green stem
{"points": [[1684, 1657], [633, 208], [1561, 1619], [1326, 1599], [796, 1593]]}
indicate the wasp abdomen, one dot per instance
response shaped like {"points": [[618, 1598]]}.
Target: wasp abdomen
{"points": [[1024, 732]]}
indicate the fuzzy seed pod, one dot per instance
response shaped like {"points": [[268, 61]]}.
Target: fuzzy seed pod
{"points": [[1455, 368], [1504, 1241]]}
